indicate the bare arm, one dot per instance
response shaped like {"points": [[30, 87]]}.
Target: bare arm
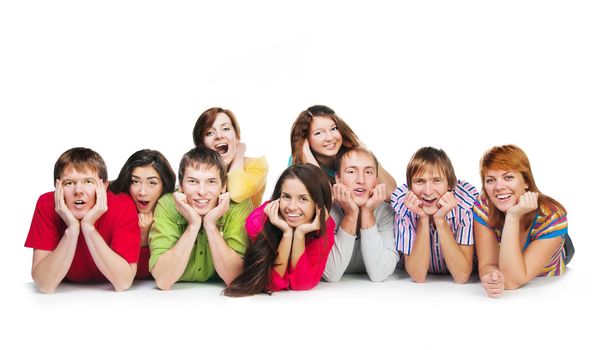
{"points": [[458, 258], [487, 249], [283, 251], [417, 262], [113, 266], [171, 265], [49, 268], [385, 178]]}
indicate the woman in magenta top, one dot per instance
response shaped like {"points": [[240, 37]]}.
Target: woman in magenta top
{"points": [[291, 235]]}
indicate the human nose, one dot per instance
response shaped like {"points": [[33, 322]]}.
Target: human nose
{"points": [[328, 135], [142, 189], [78, 187], [360, 177], [428, 188]]}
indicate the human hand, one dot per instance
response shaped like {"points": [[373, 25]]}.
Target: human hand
{"points": [[308, 156], [62, 210], [526, 203], [445, 204], [145, 223], [272, 209], [414, 204], [185, 209], [218, 211], [101, 206], [240, 152], [342, 196], [306, 228], [377, 197], [494, 283]]}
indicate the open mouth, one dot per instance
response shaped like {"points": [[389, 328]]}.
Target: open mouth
{"points": [[201, 202], [221, 148], [143, 204], [428, 201], [503, 197], [79, 203], [359, 191], [294, 217]]}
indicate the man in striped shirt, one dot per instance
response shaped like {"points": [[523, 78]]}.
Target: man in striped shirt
{"points": [[434, 219]]}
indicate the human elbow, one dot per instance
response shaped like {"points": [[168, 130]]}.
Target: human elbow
{"points": [[122, 286], [511, 285], [46, 289], [163, 283], [418, 277], [461, 278]]}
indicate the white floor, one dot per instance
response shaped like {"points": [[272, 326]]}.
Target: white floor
{"points": [[552, 313]]}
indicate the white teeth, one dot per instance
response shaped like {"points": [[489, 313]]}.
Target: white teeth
{"points": [[79, 202], [293, 215], [503, 196], [201, 201]]}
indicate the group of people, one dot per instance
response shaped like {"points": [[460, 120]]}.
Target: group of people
{"points": [[334, 210]]}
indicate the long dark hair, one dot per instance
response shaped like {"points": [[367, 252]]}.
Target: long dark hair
{"points": [[143, 158], [261, 254]]}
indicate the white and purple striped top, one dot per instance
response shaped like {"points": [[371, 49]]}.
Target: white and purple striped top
{"points": [[460, 221]]}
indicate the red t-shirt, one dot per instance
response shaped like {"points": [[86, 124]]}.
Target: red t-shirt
{"points": [[118, 226]]}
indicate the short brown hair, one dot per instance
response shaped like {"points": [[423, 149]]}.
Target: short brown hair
{"points": [[81, 158], [202, 156]]}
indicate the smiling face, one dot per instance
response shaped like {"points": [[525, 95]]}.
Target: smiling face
{"points": [[79, 190], [296, 205], [358, 173], [202, 186], [429, 185], [324, 137], [145, 188], [504, 187], [222, 138]]}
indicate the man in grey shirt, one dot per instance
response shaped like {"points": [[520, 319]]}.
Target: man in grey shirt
{"points": [[364, 240]]}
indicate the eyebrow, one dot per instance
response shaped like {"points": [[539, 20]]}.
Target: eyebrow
{"points": [[149, 177]]}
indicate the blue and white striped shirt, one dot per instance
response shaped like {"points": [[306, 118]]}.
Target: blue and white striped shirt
{"points": [[460, 221]]}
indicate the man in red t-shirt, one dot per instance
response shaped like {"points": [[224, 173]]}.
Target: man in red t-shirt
{"points": [[81, 231]]}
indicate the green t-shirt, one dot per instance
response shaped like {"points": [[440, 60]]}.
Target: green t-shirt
{"points": [[169, 225]]}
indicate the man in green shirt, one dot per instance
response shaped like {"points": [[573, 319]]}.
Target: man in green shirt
{"points": [[198, 232]]}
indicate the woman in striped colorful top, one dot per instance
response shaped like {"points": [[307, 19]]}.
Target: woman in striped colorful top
{"points": [[434, 218], [520, 232]]}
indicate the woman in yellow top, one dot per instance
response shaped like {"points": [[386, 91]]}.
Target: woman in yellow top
{"points": [[218, 129]]}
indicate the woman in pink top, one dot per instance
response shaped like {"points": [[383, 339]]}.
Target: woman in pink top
{"points": [[291, 235]]}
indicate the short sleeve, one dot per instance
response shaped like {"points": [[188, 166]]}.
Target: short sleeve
{"points": [[255, 222], [126, 234], [480, 211], [233, 230], [47, 227], [166, 230], [405, 227], [249, 182], [550, 224]]}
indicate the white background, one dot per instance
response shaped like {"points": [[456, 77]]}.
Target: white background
{"points": [[118, 76]]}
